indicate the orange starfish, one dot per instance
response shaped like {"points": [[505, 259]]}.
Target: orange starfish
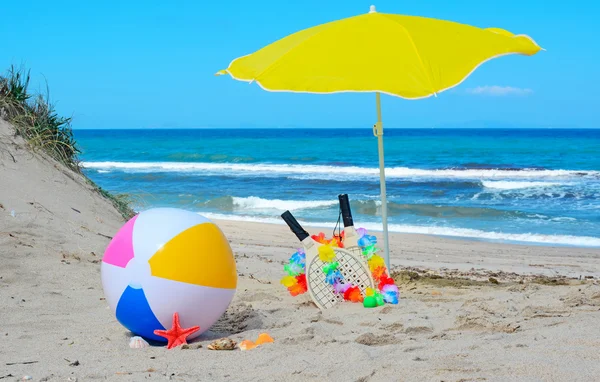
{"points": [[176, 335]]}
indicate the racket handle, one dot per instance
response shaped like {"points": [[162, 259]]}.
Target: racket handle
{"points": [[345, 207], [296, 228]]}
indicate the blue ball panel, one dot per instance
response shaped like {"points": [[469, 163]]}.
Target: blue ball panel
{"points": [[134, 313]]}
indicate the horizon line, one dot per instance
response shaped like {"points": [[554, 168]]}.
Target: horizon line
{"points": [[339, 128]]}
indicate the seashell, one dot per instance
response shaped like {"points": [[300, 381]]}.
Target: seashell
{"points": [[264, 338], [247, 345], [138, 343], [222, 344]]}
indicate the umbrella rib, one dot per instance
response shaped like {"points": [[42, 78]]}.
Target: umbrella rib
{"points": [[414, 46]]}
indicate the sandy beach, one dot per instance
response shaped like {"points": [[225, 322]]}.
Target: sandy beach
{"points": [[56, 325]]}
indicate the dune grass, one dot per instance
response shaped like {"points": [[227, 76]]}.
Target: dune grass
{"points": [[122, 202], [36, 120]]}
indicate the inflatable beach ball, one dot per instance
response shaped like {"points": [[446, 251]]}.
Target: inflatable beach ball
{"points": [[167, 260]]}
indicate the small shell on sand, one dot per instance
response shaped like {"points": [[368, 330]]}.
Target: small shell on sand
{"points": [[247, 345], [222, 344], [138, 343], [264, 338]]}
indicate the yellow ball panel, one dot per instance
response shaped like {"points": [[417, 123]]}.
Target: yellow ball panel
{"points": [[200, 255]]}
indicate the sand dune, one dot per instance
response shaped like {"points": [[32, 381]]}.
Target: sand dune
{"points": [[57, 326]]}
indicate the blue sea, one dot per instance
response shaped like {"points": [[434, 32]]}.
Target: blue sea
{"points": [[536, 186]]}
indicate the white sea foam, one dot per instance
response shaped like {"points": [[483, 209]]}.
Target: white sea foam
{"points": [[563, 219], [586, 241], [332, 172], [256, 203], [508, 185]]}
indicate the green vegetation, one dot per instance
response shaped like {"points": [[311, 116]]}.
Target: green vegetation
{"points": [[35, 119], [122, 202]]}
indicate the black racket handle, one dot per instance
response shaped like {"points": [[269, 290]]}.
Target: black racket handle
{"points": [[345, 207], [296, 228]]}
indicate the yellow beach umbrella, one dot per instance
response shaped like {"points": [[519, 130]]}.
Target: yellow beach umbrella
{"points": [[404, 56]]}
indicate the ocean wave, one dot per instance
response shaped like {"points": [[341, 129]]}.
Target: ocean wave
{"points": [[490, 166], [442, 211], [559, 191], [563, 219], [372, 208], [509, 185], [253, 203], [367, 207], [332, 172], [585, 241]]}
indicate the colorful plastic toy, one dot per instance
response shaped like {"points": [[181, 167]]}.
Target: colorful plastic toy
{"points": [[385, 292], [165, 261]]}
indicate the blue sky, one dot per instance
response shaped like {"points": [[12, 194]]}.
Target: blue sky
{"points": [[138, 64]]}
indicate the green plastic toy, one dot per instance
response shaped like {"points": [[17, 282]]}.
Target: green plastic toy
{"points": [[379, 299], [370, 302]]}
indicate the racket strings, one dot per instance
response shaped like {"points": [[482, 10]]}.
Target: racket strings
{"points": [[322, 291], [357, 251], [352, 271]]}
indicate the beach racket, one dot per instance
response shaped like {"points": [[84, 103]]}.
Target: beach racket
{"points": [[350, 234], [351, 267]]}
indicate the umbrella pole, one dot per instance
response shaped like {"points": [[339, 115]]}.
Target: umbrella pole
{"points": [[378, 132]]}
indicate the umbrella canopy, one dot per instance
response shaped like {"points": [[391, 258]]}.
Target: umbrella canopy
{"points": [[405, 56]]}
